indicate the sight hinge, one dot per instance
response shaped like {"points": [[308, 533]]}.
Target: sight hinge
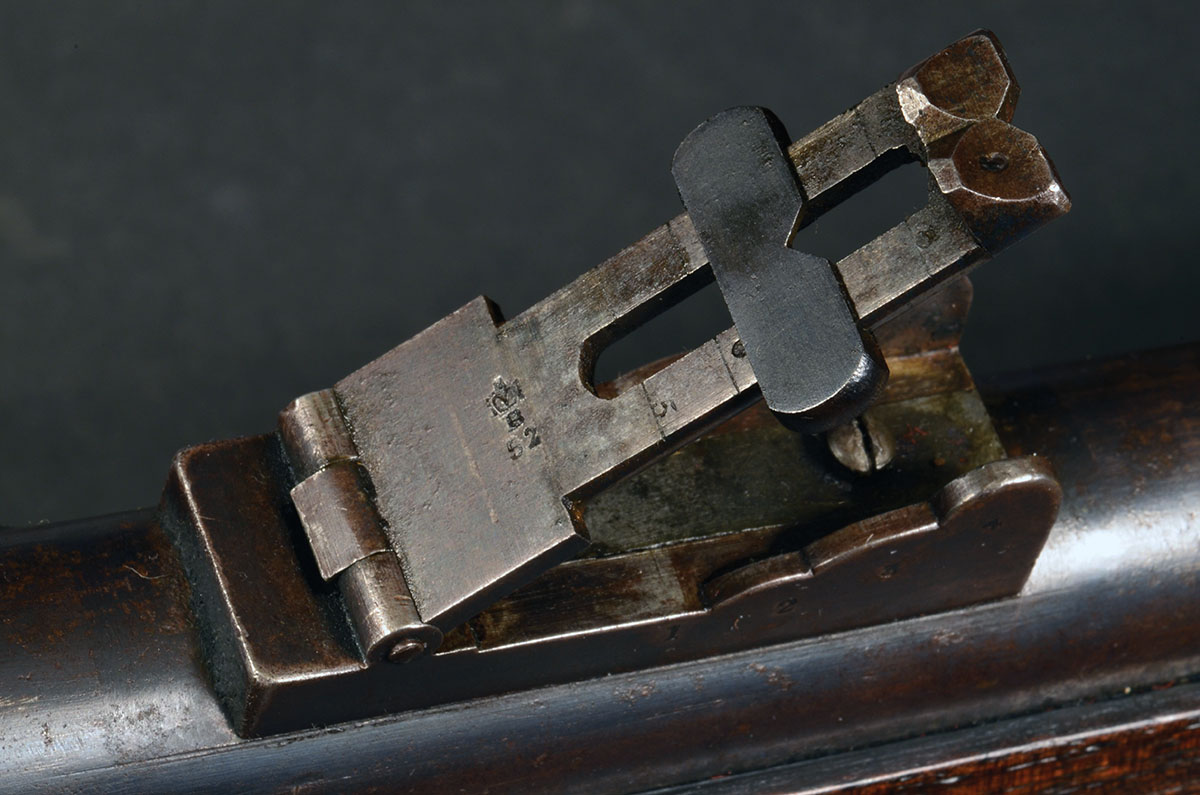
{"points": [[334, 500], [456, 468]]}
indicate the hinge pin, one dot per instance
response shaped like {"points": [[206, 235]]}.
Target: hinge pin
{"points": [[333, 499]]}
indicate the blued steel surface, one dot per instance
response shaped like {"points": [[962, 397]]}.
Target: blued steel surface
{"points": [[105, 687], [815, 366]]}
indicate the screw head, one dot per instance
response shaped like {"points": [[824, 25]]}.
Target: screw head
{"points": [[863, 446], [993, 161]]}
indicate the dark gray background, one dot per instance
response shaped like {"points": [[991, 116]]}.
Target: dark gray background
{"points": [[208, 210]]}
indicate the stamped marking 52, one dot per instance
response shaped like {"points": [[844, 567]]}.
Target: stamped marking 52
{"points": [[505, 404]]}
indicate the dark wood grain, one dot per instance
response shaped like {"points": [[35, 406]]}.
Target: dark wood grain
{"points": [[1141, 743]]}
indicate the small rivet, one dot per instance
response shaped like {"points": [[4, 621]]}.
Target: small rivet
{"points": [[993, 161], [406, 650], [738, 350]]}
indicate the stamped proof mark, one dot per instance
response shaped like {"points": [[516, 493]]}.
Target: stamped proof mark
{"points": [[504, 403]]}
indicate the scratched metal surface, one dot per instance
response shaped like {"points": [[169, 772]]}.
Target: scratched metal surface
{"points": [[98, 659], [104, 688], [477, 502]]}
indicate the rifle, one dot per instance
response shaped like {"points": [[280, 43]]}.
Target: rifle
{"points": [[392, 591]]}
